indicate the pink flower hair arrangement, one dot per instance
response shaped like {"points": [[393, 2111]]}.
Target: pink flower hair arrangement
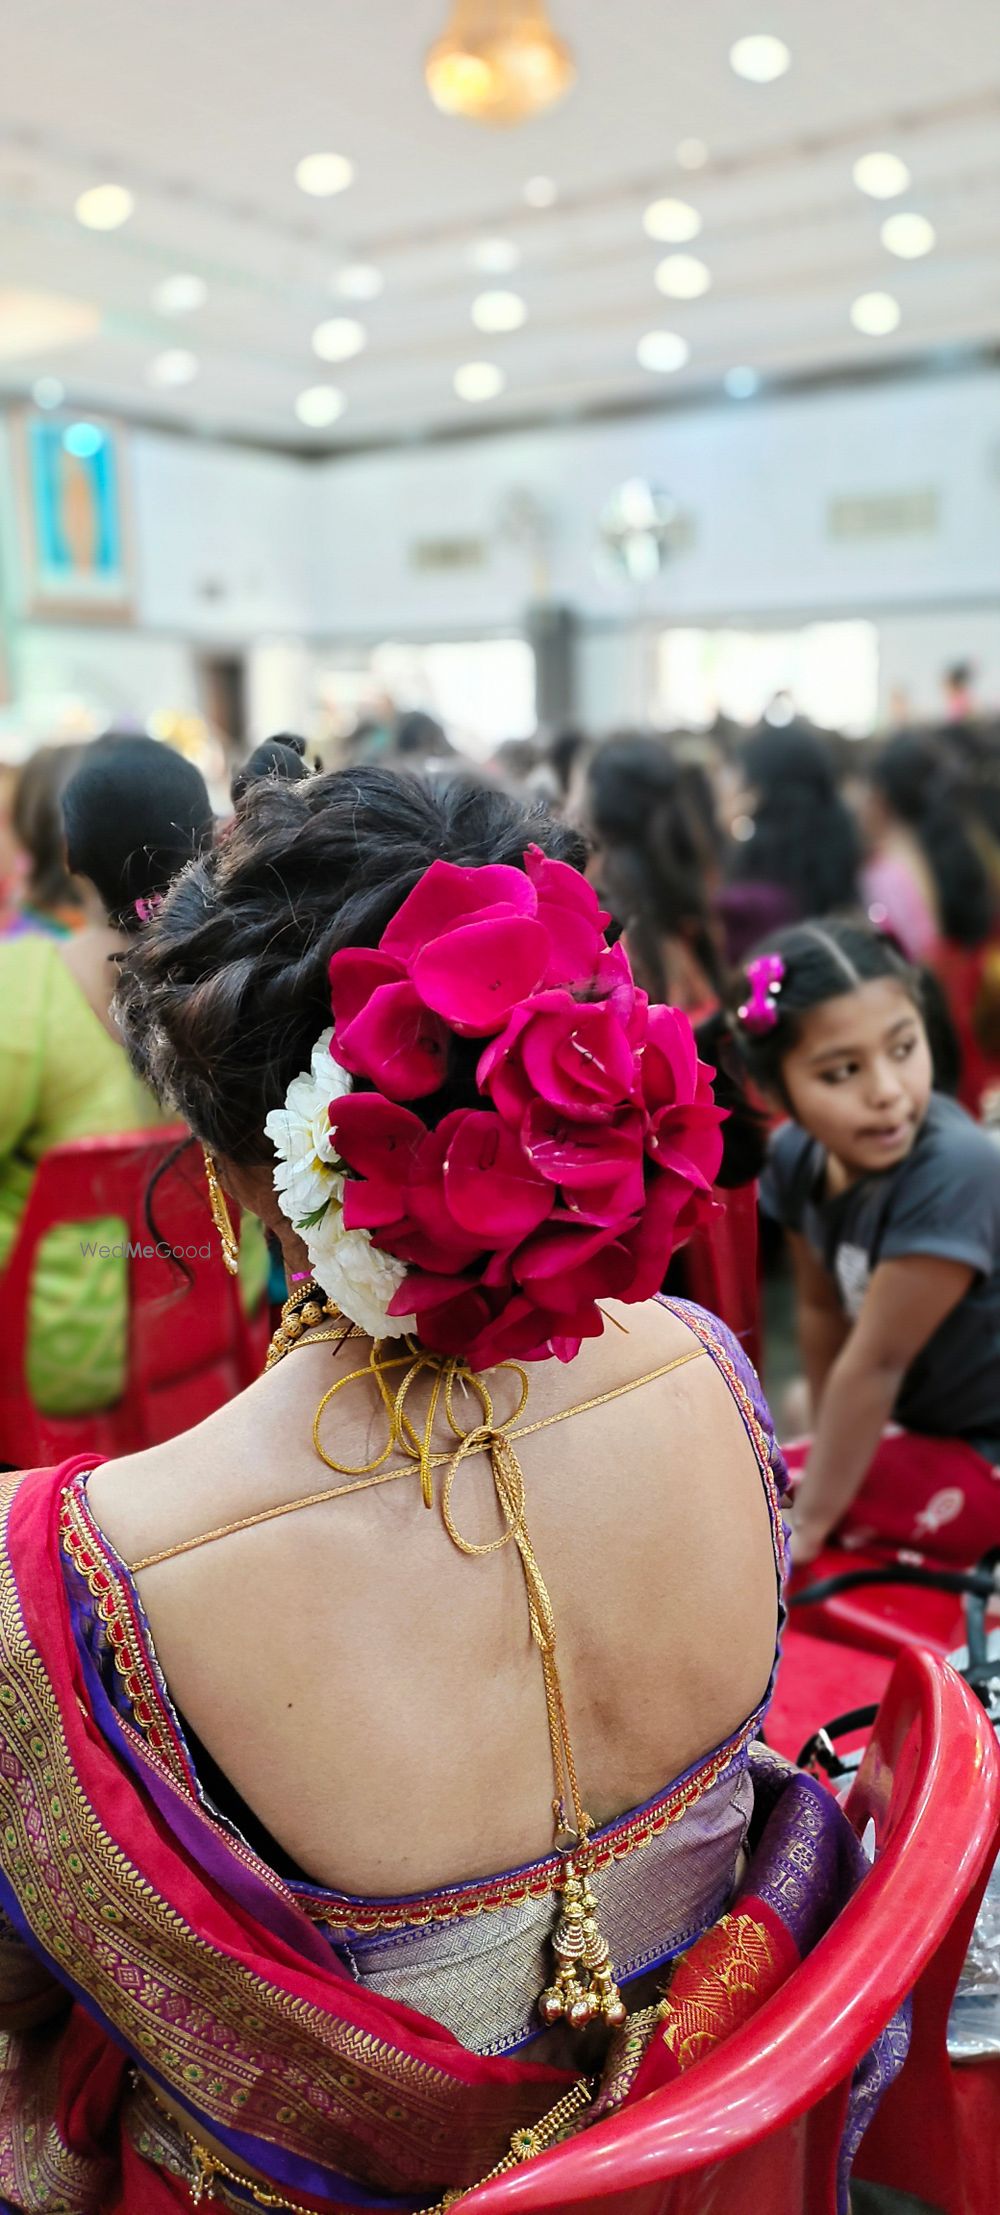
{"points": [[535, 1136]]}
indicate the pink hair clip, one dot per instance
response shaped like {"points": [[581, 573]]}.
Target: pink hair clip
{"points": [[146, 909], [765, 977]]}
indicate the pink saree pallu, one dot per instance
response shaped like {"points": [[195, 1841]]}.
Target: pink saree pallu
{"points": [[176, 2028]]}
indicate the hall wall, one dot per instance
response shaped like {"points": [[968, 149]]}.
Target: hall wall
{"points": [[267, 555]]}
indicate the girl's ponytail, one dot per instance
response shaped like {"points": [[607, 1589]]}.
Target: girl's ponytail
{"points": [[744, 1133], [919, 789]]}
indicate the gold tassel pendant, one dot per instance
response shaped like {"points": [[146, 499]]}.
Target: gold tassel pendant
{"points": [[584, 1989]]}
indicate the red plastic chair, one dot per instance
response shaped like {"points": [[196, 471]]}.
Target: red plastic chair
{"points": [[837, 1653], [819, 1681], [718, 1267], [190, 1346], [756, 2125]]}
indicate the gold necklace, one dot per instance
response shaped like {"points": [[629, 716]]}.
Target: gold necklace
{"points": [[304, 1308]]}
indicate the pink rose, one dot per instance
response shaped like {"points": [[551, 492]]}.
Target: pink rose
{"points": [[355, 973], [446, 896], [613, 981], [574, 1054], [380, 1141], [668, 1058], [523, 1333], [684, 1132], [655, 1236], [432, 1238], [569, 910], [476, 972], [596, 1144], [491, 1187], [688, 1139], [598, 1165], [563, 1268], [470, 941], [450, 1311], [392, 1039]]}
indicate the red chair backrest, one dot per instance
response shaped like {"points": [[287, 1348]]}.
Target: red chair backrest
{"points": [[962, 971], [718, 1267], [757, 2124], [190, 1344]]}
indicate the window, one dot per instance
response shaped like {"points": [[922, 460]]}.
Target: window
{"points": [[482, 690], [826, 672]]}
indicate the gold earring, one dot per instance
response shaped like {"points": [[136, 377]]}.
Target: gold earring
{"points": [[221, 1217]]}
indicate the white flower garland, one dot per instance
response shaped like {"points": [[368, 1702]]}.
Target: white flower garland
{"points": [[309, 1180]]}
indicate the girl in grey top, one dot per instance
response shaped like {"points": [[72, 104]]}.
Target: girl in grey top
{"points": [[889, 1195]]}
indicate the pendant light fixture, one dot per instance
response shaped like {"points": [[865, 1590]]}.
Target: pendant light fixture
{"points": [[499, 61]]}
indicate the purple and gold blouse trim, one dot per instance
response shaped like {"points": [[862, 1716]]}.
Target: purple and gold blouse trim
{"points": [[139, 1695]]}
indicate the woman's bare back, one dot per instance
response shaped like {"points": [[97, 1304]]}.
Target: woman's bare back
{"points": [[373, 1694]]}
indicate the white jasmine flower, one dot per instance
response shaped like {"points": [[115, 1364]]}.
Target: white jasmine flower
{"points": [[309, 1181], [354, 1273], [309, 1173]]}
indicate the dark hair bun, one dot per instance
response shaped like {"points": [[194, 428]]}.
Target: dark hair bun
{"points": [[280, 756], [135, 812], [224, 996]]}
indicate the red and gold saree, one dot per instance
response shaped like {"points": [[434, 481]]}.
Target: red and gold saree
{"points": [[173, 2023]]}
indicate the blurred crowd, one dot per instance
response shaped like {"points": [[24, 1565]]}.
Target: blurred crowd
{"points": [[703, 843], [704, 847]]}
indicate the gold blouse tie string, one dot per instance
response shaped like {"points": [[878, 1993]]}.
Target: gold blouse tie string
{"points": [[583, 1988], [584, 1985]]}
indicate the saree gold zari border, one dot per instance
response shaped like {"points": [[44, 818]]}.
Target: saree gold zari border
{"points": [[37, 2170], [248, 2055], [158, 2137], [124, 1637]]}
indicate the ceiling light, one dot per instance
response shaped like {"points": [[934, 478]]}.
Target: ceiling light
{"points": [[882, 176], [909, 236], [498, 61], [321, 175], [479, 380], [460, 83], [496, 257], [663, 351], [673, 221], [359, 280], [319, 406], [47, 392], [692, 153], [104, 207], [760, 58], [498, 311], [875, 313], [175, 367], [83, 440], [179, 295], [339, 338], [682, 277], [541, 192], [741, 383]]}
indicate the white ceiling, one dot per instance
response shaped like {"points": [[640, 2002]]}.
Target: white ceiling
{"points": [[203, 107]]}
